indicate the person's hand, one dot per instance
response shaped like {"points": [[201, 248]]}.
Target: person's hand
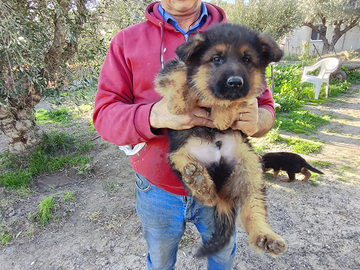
{"points": [[160, 117], [248, 118]]}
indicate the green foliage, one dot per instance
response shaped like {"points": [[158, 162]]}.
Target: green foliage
{"points": [[288, 90], [301, 121], [273, 135], [17, 179], [61, 115], [69, 196], [321, 164], [255, 14], [55, 151], [352, 76], [45, 210], [287, 102], [91, 125], [304, 146], [291, 94], [305, 51], [5, 235]]}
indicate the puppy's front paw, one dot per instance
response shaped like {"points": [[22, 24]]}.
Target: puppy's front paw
{"points": [[270, 243]]}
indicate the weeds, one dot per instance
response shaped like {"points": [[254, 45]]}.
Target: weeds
{"points": [[55, 151], [301, 121], [59, 116], [352, 76], [5, 235], [45, 210], [69, 196], [290, 93], [304, 146], [321, 164]]}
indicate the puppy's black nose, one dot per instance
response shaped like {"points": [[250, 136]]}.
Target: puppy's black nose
{"points": [[235, 82]]}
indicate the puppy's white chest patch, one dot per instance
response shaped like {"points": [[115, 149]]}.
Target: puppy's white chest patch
{"points": [[207, 153]]}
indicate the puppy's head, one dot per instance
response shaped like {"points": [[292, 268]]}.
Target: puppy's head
{"points": [[228, 61]]}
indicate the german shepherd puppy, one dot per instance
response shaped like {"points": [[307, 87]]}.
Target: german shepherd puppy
{"points": [[224, 66], [290, 162]]}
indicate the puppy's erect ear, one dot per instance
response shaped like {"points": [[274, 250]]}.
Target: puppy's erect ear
{"points": [[188, 49], [270, 49]]}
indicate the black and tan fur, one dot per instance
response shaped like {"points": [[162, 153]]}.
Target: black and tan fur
{"points": [[224, 66], [290, 162]]}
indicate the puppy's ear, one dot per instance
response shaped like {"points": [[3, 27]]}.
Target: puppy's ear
{"points": [[188, 49], [270, 49]]}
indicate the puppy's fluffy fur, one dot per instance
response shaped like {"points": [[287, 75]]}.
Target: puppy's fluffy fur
{"points": [[290, 162], [224, 66]]}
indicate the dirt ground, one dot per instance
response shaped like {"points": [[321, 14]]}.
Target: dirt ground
{"points": [[99, 229]]}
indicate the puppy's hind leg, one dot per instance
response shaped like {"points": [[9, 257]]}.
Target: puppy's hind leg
{"points": [[306, 173], [253, 207]]}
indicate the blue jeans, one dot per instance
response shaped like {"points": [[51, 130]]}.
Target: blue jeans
{"points": [[164, 216]]}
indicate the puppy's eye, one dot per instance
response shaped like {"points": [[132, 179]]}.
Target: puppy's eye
{"points": [[217, 59], [246, 59]]}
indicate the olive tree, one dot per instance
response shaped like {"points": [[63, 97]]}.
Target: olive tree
{"points": [[52, 48], [275, 17], [343, 15], [38, 40]]}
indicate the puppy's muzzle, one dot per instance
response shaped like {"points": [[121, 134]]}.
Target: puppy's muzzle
{"points": [[235, 82]]}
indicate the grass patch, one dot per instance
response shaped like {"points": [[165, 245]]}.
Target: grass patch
{"points": [[5, 235], [91, 125], [347, 168], [321, 164], [45, 210], [58, 116], [302, 146], [17, 179], [69, 196], [313, 183], [55, 151], [301, 121], [290, 93], [352, 76]]}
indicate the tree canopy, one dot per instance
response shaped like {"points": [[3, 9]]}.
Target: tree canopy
{"points": [[275, 17], [343, 15], [281, 17]]}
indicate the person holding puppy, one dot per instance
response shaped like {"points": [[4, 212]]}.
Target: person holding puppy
{"points": [[130, 113]]}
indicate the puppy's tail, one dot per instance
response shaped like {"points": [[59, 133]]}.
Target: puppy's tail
{"points": [[224, 229], [311, 168]]}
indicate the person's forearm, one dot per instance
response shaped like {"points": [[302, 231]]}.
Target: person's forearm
{"points": [[265, 123]]}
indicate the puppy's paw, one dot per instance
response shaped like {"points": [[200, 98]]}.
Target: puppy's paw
{"points": [[222, 125], [270, 243], [196, 178]]}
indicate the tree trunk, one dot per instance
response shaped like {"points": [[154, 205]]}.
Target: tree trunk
{"points": [[327, 48], [18, 123]]}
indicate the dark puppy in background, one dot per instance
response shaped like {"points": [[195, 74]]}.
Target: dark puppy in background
{"points": [[289, 162], [225, 67]]}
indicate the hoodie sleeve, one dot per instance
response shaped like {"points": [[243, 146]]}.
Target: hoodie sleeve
{"points": [[117, 118], [266, 101]]}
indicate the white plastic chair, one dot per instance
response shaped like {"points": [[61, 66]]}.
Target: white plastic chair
{"points": [[327, 66]]}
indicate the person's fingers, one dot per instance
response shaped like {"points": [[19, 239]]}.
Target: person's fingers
{"points": [[203, 122]]}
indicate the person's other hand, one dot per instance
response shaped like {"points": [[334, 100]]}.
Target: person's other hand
{"points": [[248, 118], [160, 117]]}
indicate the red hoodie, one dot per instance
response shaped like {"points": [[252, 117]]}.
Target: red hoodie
{"points": [[126, 93]]}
